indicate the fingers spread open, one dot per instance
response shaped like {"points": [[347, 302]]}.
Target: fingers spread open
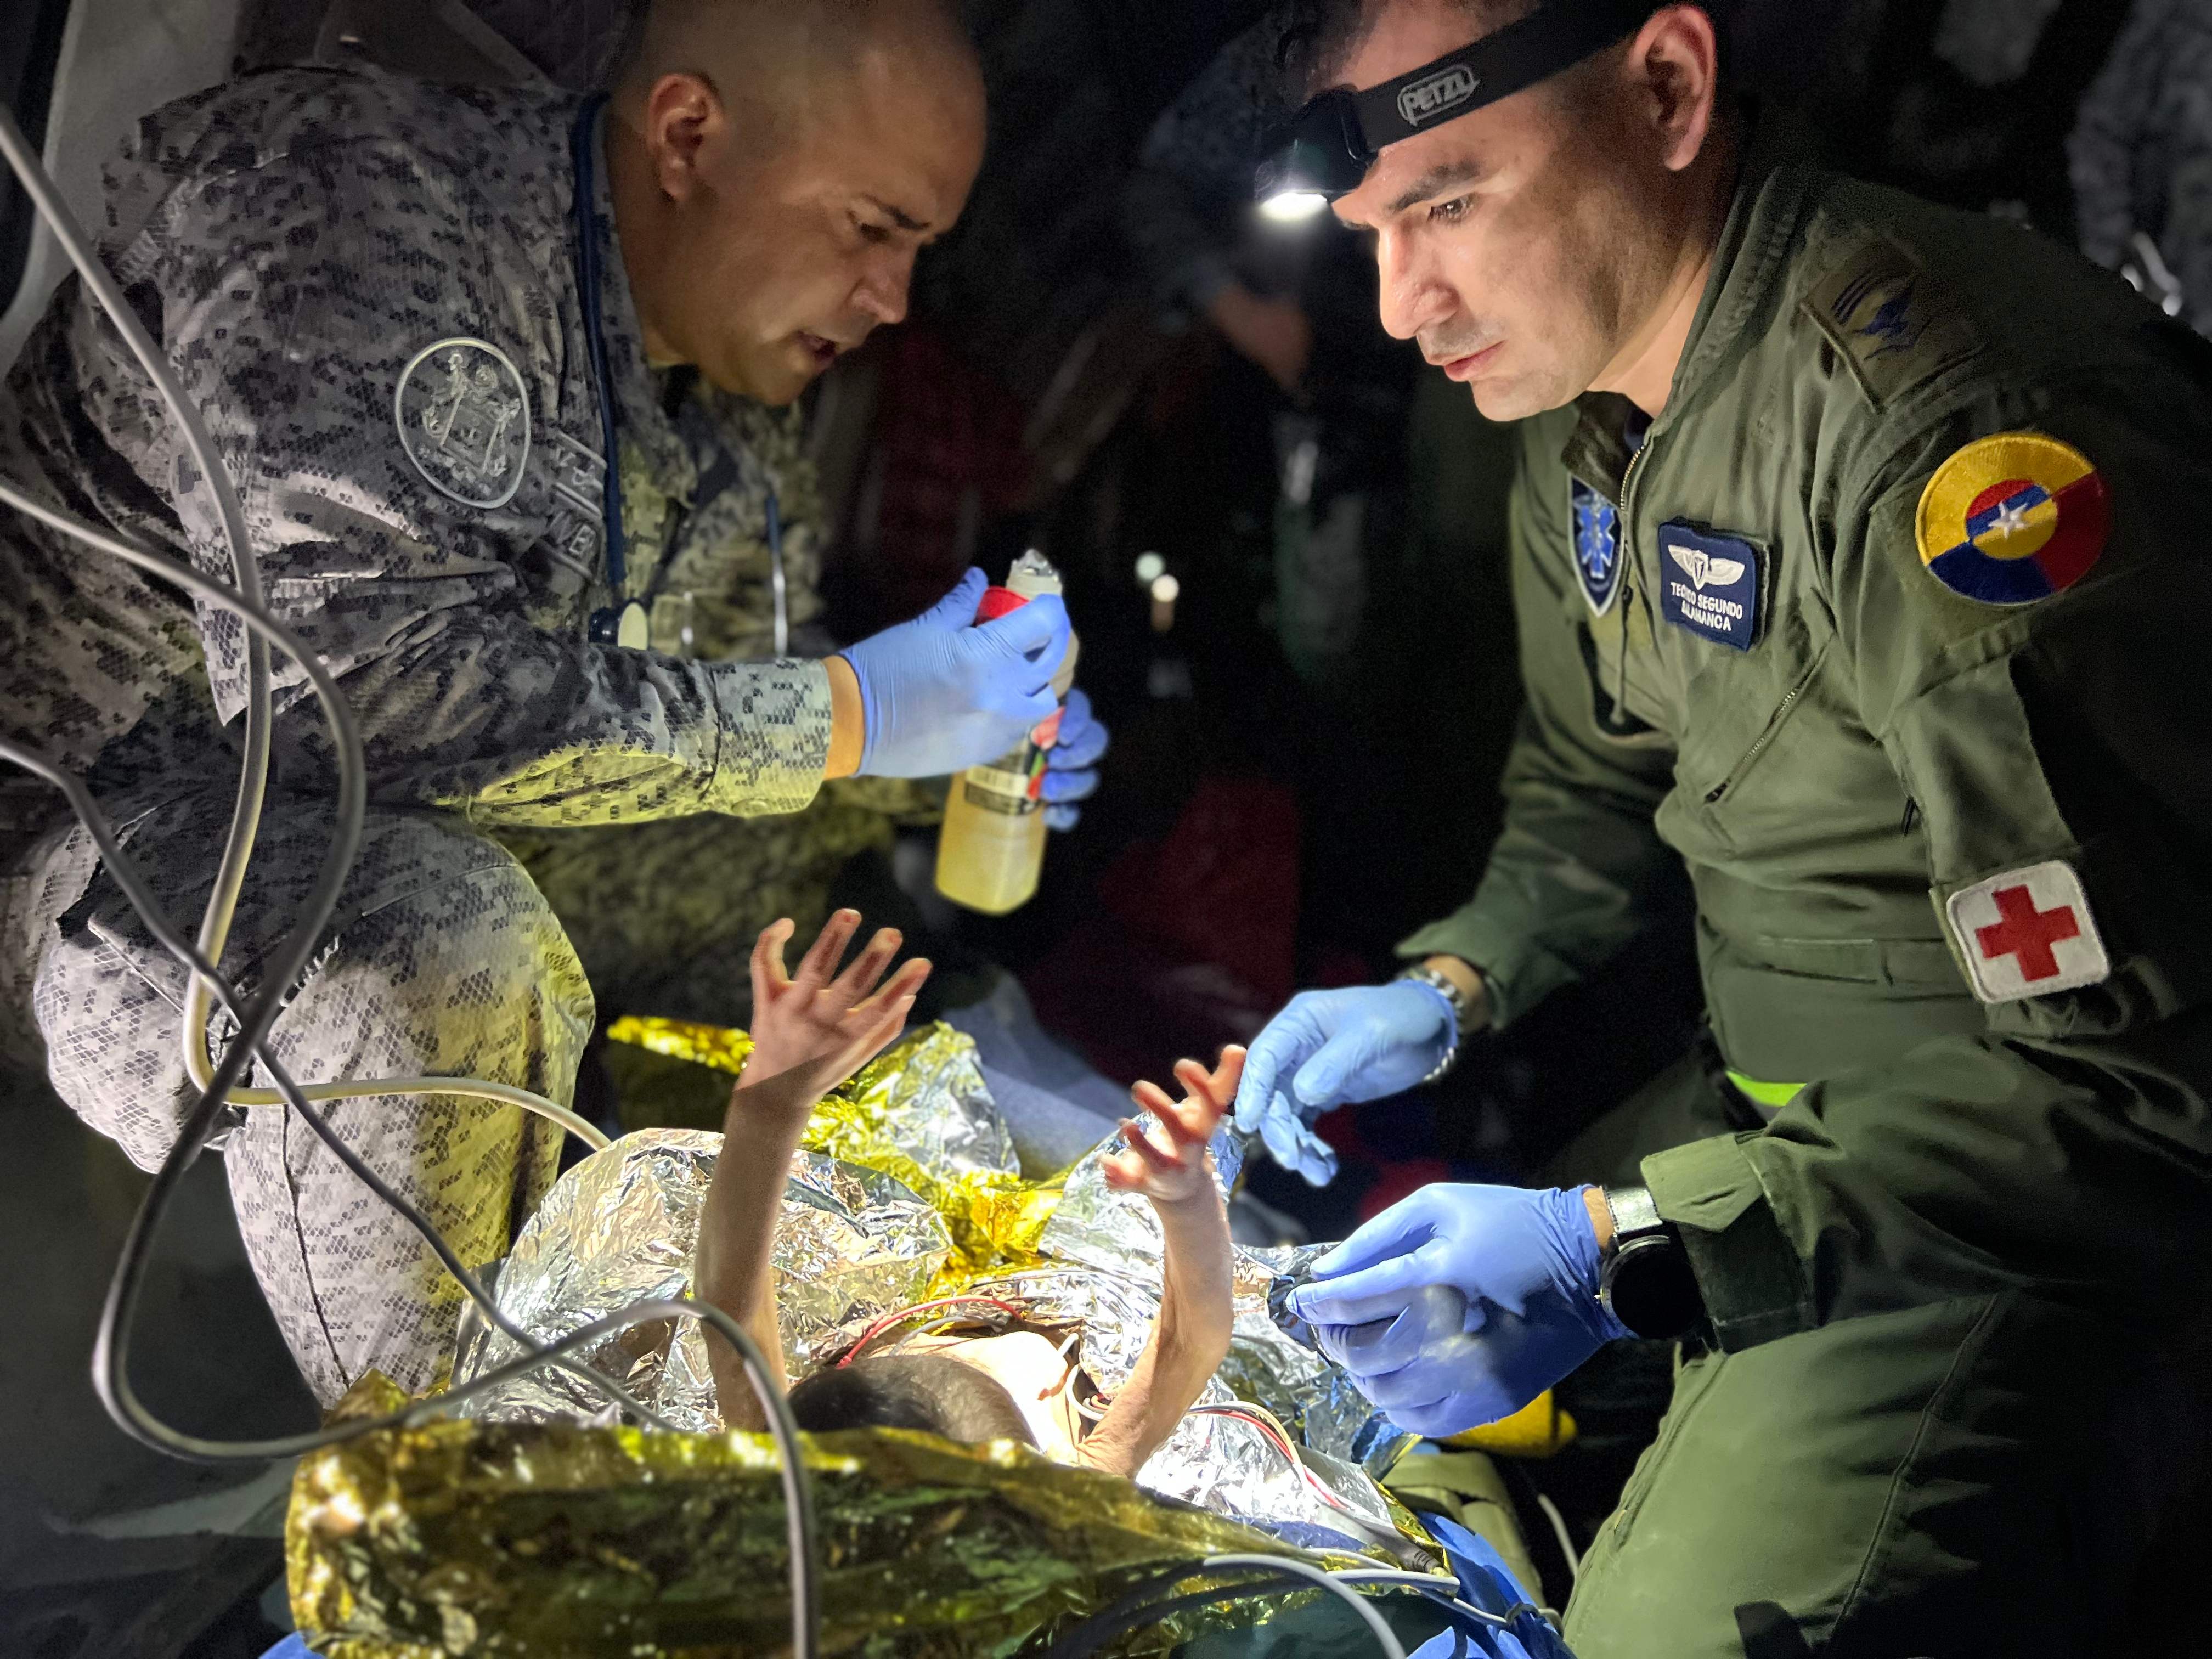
{"points": [[901, 986], [769, 979], [859, 978], [878, 1021], [1156, 1156], [822, 956], [1187, 1123]]}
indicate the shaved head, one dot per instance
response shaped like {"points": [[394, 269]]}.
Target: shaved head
{"points": [[778, 164], [776, 55]]}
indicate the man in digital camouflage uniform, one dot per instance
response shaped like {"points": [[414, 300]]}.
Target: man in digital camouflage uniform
{"points": [[372, 288], [1855, 567]]}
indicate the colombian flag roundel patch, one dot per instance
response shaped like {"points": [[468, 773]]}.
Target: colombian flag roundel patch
{"points": [[2013, 519]]}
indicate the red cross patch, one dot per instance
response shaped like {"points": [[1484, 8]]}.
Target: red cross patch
{"points": [[2027, 934]]}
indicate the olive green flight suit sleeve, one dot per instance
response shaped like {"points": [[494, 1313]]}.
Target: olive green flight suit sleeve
{"points": [[2066, 1152], [1571, 877]]}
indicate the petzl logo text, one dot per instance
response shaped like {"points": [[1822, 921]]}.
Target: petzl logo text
{"points": [[1433, 95]]}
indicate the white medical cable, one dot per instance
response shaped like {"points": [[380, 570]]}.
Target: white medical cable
{"points": [[134, 888], [469, 1087], [1559, 1530], [343, 1088], [253, 775], [245, 601], [1440, 1586], [110, 1370], [110, 1375], [1385, 1637]]}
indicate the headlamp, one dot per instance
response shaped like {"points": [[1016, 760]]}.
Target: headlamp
{"points": [[1329, 145]]}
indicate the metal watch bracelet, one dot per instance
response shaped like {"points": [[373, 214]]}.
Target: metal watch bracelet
{"points": [[1453, 994], [1633, 1212]]}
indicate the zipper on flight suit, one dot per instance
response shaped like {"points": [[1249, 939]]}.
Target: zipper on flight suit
{"points": [[1629, 596], [1773, 725]]}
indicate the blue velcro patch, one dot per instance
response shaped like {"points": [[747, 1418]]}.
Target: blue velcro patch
{"points": [[1709, 584], [1597, 547]]}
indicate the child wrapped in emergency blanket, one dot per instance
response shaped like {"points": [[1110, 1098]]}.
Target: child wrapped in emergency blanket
{"points": [[1140, 1343]]}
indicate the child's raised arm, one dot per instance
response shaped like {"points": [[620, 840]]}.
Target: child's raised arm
{"points": [[810, 1033], [1190, 1339]]}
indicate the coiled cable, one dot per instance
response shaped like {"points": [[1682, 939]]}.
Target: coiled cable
{"points": [[217, 1081]]}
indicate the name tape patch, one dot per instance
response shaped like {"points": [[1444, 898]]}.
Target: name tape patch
{"points": [[1709, 583]]}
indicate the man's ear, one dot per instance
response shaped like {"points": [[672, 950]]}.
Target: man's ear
{"points": [[684, 113], [1678, 55]]}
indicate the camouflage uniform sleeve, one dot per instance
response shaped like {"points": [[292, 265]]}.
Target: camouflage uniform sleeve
{"points": [[1572, 877], [293, 293], [2063, 778], [2142, 148]]}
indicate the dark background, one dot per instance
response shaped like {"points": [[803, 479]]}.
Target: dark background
{"points": [[1265, 825]]}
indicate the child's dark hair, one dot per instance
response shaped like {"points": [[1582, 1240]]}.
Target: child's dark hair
{"points": [[932, 1392]]}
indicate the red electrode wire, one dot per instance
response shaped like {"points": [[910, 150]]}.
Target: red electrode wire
{"points": [[904, 1314]]}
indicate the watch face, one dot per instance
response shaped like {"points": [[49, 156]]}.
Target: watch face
{"points": [[1651, 1289]]}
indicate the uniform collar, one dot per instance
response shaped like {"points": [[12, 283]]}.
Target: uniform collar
{"points": [[1773, 191], [638, 390], [1751, 261]]}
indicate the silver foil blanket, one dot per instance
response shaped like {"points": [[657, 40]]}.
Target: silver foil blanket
{"points": [[855, 1244], [622, 1226], [1271, 1359]]}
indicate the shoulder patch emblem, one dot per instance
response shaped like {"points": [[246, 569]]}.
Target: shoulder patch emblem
{"points": [[1889, 320], [1709, 583], [2013, 519], [1597, 547], [2027, 934], [464, 419]]}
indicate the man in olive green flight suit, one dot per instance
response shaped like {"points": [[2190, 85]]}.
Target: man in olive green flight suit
{"points": [[1857, 564]]}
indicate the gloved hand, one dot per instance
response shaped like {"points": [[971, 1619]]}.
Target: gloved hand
{"points": [[944, 692], [1332, 1048], [1071, 765], [1484, 1296]]}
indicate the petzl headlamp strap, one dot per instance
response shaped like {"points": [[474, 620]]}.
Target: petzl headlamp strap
{"points": [[1554, 36]]}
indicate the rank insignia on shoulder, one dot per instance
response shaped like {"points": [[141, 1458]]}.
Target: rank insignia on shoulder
{"points": [[2013, 519], [464, 419], [1597, 547], [2027, 932], [1709, 584], [1889, 320]]}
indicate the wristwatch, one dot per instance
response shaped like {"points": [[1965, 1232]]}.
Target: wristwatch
{"points": [[1462, 1013], [1646, 1282]]}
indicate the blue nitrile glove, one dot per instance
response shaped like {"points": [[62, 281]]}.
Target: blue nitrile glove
{"points": [[1490, 1295], [945, 692], [1071, 765], [1333, 1048]]}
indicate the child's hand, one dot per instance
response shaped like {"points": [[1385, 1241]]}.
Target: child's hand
{"points": [[811, 1032], [1179, 1169]]}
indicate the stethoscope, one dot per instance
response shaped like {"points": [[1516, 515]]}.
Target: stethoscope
{"points": [[625, 623]]}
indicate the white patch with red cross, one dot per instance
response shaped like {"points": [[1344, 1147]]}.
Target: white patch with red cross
{"points": [[2027, 934]]}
